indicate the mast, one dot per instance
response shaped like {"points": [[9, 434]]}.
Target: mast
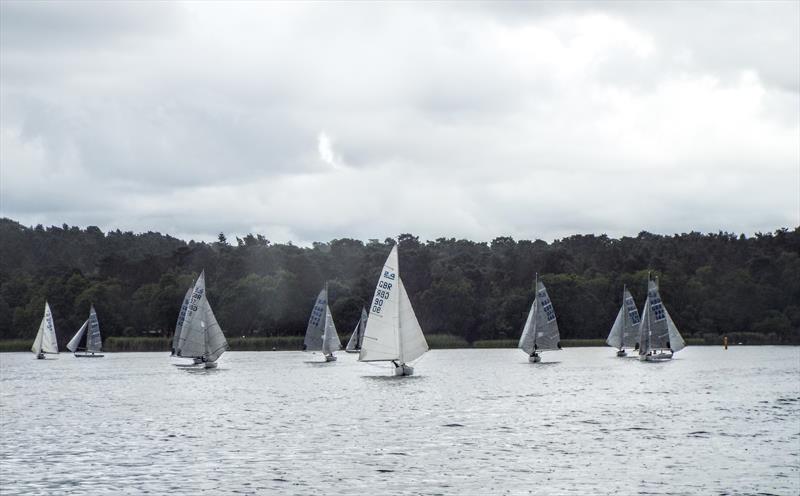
{"points": [[397, 308], [624, 319], [535, 305]]}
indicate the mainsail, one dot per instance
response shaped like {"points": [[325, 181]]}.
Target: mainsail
{"points": [[176, 336], [657, 330], [541, 329], [625, 331], [330, 339], [392, 331], [358, 333], [319, 323], [45, 341], [201, 335]]}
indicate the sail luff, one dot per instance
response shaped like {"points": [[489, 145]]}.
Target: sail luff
{"points": [[76, 339]]}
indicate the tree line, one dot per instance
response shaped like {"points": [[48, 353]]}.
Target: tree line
{"points": [[712, 284]]}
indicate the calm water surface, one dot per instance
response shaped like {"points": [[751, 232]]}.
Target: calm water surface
{"points": [[471, 422]]}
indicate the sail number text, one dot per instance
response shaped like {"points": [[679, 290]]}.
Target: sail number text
{"points": [[383, 291]]}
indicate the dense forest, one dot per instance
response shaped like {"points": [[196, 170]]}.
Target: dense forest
{"points": [[711, 283]]}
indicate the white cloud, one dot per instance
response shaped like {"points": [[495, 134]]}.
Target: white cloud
{"points": [[312, 121]]}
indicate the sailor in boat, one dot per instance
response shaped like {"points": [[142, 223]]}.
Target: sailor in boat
{"points": [[40, 356]]}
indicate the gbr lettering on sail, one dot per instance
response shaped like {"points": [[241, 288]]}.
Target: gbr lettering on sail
{"points": [[386, 285]]}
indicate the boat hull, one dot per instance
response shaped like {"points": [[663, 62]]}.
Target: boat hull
{"points": [[662, 356], [622, 353], [330, 358], [403, 369], [352, 351], [535, 358], [210, 365], [90, 355]]}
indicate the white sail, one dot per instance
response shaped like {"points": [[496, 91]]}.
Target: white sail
{"points": [[76, 339], [412, 340], [625, 331], [216, 344], [392, 332], [354, 344], [330, 339], [657, 331], [541, 329], [615, 335], [46, 341], [676, 342], [176, 336], [316, 323], [94, 342], [201, 335]]}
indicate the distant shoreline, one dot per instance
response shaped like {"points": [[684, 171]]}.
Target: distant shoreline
{"points": [[295, 343]]}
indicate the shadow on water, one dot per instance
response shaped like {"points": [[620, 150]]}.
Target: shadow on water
{"points": [[201, 370], [397, 379], [317, 362], [541, 364]]}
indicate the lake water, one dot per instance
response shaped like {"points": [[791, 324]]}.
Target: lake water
{"points": [[471, 422]]}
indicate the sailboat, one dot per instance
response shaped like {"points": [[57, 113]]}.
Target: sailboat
{"points": [[321, 331], [354, 345], [625, 331], [45, 341], [659, 339], [541, 329], [201, 337], [393, 333], [93, 344]]}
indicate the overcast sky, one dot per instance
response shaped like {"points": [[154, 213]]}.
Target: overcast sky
{"points": [[312, 121]]}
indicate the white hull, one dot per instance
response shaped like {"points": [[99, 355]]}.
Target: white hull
{"points": [[660, 356], [210, 365], [330, 358], [403, 369]]}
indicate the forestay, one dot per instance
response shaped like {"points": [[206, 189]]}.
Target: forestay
{"points": [[45, 341], [392, 331], [541, 329]]}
